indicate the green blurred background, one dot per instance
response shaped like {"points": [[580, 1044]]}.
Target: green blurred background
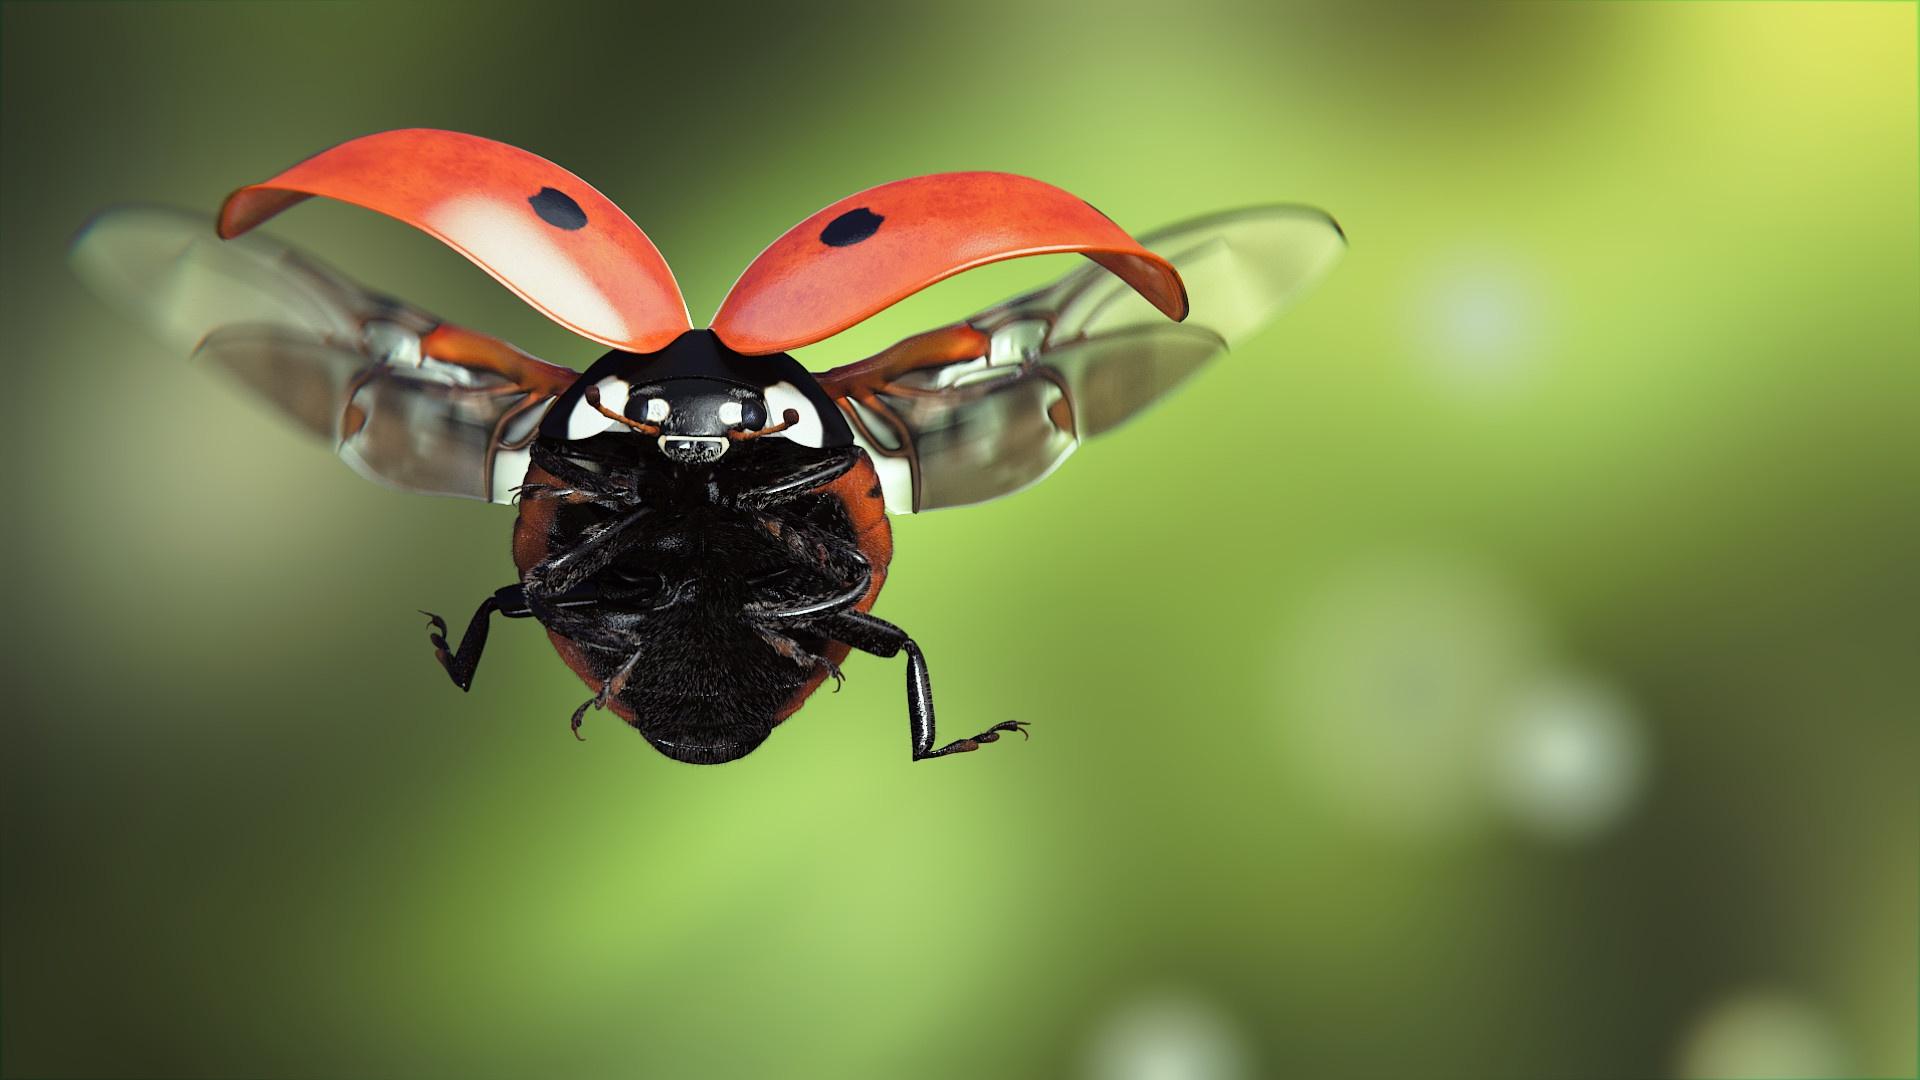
{"points": [[1504, 666]]}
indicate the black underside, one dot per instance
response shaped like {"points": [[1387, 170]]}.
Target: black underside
{"points": [[682, 566]]}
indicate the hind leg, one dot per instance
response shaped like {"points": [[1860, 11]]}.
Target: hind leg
{"points": [[881, 638]]}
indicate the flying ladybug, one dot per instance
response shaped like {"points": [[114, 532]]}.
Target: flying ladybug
{"points": [[702, 522]]}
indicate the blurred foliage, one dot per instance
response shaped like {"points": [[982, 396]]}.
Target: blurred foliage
{"points": [[1504, 666]]}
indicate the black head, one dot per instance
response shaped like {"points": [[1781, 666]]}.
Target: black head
{"points": [[702, 396], [698, 418]]}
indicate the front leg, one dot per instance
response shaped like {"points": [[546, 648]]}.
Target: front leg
{"points": [[804, 480], [578, 482], [882, 638]]}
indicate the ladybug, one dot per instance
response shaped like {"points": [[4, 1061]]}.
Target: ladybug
{"points": [[702, 522]]}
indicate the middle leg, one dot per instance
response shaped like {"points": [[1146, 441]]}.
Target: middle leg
{"points": [[462, 663]]}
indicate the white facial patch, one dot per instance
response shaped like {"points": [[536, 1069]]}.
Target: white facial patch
{"points": [[808, 431], [657, 410], [730, 413], [587, 421], [509, 472], [896, 478]]}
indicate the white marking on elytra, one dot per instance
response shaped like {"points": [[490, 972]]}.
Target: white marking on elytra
{"points": [[505, 238]]}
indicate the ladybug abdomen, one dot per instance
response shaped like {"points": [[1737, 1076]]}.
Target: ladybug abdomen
{"points": [[680, 614]]}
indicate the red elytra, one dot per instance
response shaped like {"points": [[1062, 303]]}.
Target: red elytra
{"points": [[861, 255], [540, 230], [571, 253]]}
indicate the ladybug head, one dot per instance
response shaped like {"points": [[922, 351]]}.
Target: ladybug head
{"points": [[698, 418], [703, 397]]}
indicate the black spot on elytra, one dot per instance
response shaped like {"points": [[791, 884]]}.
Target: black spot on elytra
{"points": [[557, 209], [874, 491], [851, 227]]}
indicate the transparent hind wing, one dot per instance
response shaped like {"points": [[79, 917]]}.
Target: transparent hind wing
{"points": [[990, 406], [963, 432], [405, 398], [1242, 268], [427, 433]]}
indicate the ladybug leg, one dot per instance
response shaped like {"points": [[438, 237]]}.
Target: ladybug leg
{"points": [[608, 689], [531, 492], [799, 654], [800, 482], [582, 484], [816, 607], [560, 573], [461, 664], [881, 638]]}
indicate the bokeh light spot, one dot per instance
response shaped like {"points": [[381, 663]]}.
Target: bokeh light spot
{"points": [[1395, 681], [1572, 760], [1169, 1036], [1762, 1034], [1422, 698], [1477, 322]]}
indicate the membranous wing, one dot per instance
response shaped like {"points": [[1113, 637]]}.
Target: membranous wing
{"points": [[405, 398], [986, 407]]}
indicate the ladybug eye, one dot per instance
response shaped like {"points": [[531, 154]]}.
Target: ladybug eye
{"points": [[753, 415]]}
